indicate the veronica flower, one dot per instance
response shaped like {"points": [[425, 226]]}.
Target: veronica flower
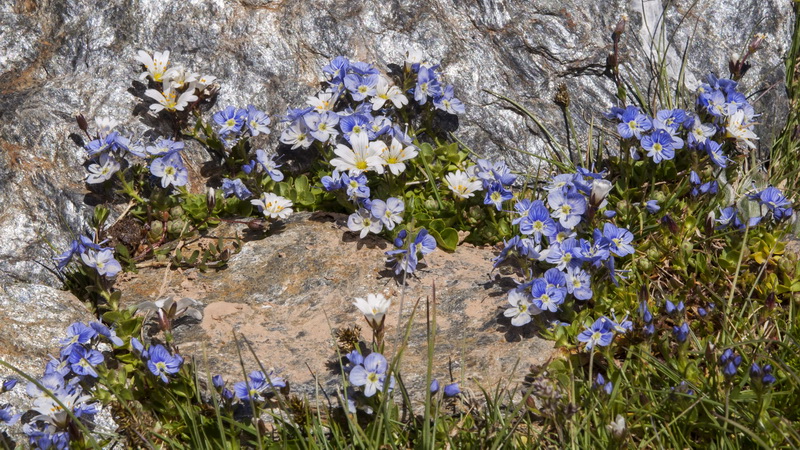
{"points": [[257, 121], [164, 147], [102, 261], [562, 254], [672, 118], [374, 308], [361, 87], [7, 416], [170, 170], [231, 119], [579, 283], [715, 103], [659, 146], [268, 164], [451, 390], [521, 307], [634, 123], [355, 125], [161, 363], [235, 187], [700, 133], [363, 222], [112, 141], [273, 206], [371, 375], [322, 125], [356, 186], [102, 170], [567, 208], [337, 68], [379, 126], [538, 222], [448, 103], [427, 85], [739, 130], [333, 181], [155, 65], [389, 212], [83, 361], [652, 206], [619, 239], [461, 184], [77, 334], [385, 92], [169, 100], [107, 332], [364, 156], [599, 333], [496, 195], [297, 135], [545, 297]]}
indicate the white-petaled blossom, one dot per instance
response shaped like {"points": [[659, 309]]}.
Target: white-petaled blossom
{"points": [[273, 206], [395, 155], [521, 307], [297, 135], [102, 170], [462, 185], [156, 65], [363, 222], [52, 412], [169, 99], [739, 130], [363, 157], [374, 308], [105, 125], [385, 92], [322, 102], [204, 81], [178, 77]]}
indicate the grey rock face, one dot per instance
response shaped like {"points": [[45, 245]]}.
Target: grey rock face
{"points": [[60, 57]]}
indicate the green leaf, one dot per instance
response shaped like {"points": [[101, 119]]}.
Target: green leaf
{"points": [[449, 238], [437, 225], [301, 185]]}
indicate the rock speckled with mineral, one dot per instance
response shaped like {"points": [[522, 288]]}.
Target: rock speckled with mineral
{"points": [[60, 57]]}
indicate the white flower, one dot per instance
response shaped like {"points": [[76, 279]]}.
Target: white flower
{"points": [[521, 307], [364, 156], [363, 222], [740, 131], [178, 77], [385, 93], [167, 99], [102, 170], [322, 102], [156, 66], [297, 135], [204, 81], [395, 154], [273, 206], [374, 308], [105, 125], [462, 185], [50, 411]]}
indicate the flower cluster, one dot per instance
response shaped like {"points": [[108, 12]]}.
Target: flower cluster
{"points": [[65, 383], [602, 332], [722, 115], [258, 387], [94, 256], [554, 233], [408, 252], [160, 362], [176, 87]]}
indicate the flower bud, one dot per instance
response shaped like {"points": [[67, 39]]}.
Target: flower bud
{"points": [[82, 123], [600, 190], [211, 199]]}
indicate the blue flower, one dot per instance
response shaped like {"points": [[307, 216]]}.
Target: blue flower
{"points": [[763, 376], [714, 151], [337, 68], [170, 170], [496, 195], [103, 262], [356, 186], [77, 334], [567, 208], [164, 147], [107, 332], [161, 363], [546, 297], [83, 361], [672, 118], [434, 388], [600, 382], [355, 124], [451, 390], [729, 362], [235, 187], [538, 221], [681, 333], [448, 102], [659, 146], [8, 385], [633, 123], [371, 375], [652, 206], [619, 240], [7, 416], [389, 212], [230, 119], [361, 87], [673, 309], [332, 182], [427, 85], [562, 254], [322, 125], [112, 141], [599, 333], [257, 121], [579, 283]]}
